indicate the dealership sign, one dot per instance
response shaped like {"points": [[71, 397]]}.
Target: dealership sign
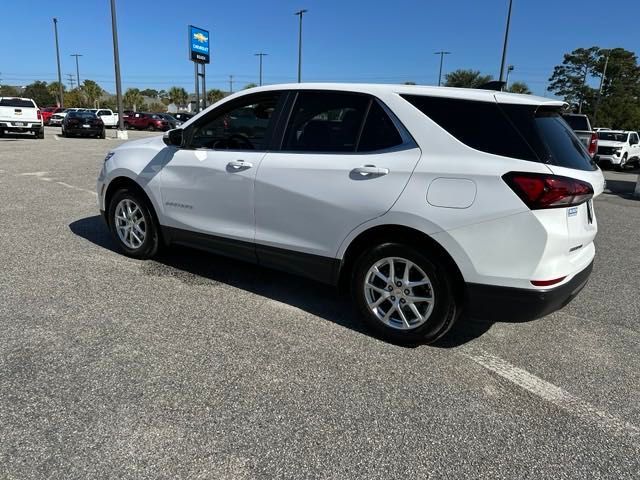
{"points": [[198, 45]]}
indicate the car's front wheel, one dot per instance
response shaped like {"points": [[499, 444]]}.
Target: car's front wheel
{"points": [[133, 225], [404, 295]]}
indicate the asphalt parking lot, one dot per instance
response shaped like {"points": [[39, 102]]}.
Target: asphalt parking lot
{"points": [[194, 366]]}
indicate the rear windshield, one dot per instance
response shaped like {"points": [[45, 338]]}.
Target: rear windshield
{"points": [[577, 122], [82, 115], [16, 102], [613, 137], [524, 132]]}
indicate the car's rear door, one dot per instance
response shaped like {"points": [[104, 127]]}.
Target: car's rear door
{"points": [[344, 160]]}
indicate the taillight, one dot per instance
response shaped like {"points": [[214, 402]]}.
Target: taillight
{"points": [[539, 190], [593, 144], [39, 114]]}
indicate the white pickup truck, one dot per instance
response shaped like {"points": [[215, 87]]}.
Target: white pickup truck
{"points": [[20, 115], [108, 117]]}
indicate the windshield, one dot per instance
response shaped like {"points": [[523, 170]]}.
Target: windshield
{"points": [[613, 136], [577, 122]]}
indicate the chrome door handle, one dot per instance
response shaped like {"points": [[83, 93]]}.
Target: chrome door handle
{"points": [[239, 165], [370, 170]]}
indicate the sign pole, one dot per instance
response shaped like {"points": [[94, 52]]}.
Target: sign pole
{"points": [[197, 109], [204, 86]]}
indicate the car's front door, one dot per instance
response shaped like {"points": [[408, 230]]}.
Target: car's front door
{"points": [[208, 186], [344, 160]]}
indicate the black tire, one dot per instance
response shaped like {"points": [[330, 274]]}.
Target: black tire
{"points": [[40, 134], [127, 126], [446, 306], [623, 163], [103, 135], [151, 243], [151, 128]]}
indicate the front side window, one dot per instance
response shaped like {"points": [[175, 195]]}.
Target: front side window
{"points": [[242, 125]]}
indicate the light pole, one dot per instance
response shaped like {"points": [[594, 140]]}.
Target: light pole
{"points": [[506, 42], [77, 67], [60, 92], [260, 55], [604, 74], [510, 69], [300, 13], [442, 54], [121, 133]]}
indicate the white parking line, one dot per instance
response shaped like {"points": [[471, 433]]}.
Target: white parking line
{"points": [[43, 176], [77, 188], [549, 392]]}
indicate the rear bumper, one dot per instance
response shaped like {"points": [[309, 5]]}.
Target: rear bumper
{"points": [[84, 131], [27, 127], [518, 304]]}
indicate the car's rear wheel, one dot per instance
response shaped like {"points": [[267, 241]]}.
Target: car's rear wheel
{"points": [[103, 135], [404, 295], [133, 225], [151, 128]]}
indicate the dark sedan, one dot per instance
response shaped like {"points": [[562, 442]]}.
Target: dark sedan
{"points": [[182, 116], [83, 123]]}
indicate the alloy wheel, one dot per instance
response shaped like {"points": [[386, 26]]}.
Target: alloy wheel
{"points": [[130, 224], [399, 293]]}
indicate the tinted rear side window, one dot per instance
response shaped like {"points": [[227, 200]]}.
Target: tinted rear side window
{"points": [[16, 102], [479, 125], [379, 132], [577, 122], [563, 147]]}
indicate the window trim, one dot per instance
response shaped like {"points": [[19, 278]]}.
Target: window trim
{"points": [[231, 105], [408, 142]]}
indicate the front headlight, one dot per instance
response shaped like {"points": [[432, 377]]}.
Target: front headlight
{"points": [[109, 155]]}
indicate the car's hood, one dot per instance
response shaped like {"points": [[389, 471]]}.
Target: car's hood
{"points": [[155, 143], [610, 143]]}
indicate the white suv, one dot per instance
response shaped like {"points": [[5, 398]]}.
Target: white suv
{"points": [[618, 148], [422, 201]]}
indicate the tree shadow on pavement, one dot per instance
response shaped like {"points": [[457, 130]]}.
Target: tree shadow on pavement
{"points": [[195, 267]]}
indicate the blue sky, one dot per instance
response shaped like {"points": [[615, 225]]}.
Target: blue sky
{"points": [[348, 40]]}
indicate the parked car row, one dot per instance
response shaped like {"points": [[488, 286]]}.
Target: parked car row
{"points": [[151, 121]]}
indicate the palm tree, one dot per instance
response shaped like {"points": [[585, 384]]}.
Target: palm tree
{"points": [[214, 95], [54, 89], [519, 87], [133, 98], [466, 79], [93, 92], [178, 95]]}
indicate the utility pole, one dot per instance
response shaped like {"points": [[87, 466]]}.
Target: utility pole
{"points": [[584, 82], [77, 67], [604, 74], [71, 80], [121, 133], [506, 41], [60, 92], [510, 69], [442, 54], [300, 13], [230, 83], [260, 55]]}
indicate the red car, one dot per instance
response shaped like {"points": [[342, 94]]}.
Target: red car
{"points": [[48, 112], [146, 121]]}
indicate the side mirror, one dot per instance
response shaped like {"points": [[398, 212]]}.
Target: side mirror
{"points": [[174, 137]]}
